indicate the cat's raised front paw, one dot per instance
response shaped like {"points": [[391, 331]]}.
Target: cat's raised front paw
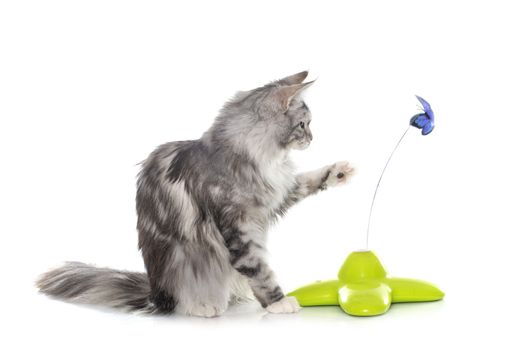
{"points": [[339, 173], [286, 305]]}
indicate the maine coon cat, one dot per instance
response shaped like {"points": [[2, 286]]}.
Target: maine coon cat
{"points": [[204, 207]]}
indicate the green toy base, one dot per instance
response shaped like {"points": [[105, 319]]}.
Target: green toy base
{"points": [[364, 289]]}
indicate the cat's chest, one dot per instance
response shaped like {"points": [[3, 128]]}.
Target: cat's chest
{"points": [[277, 181]]}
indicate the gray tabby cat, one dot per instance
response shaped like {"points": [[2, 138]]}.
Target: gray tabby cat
{"points": [[204, 207]]}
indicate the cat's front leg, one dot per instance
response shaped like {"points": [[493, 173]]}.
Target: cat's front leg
{"points": [[311, 182], [246, 256], [329, 176]]}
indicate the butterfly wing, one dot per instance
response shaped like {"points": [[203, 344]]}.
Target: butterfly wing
{"points": [[422, 121], [419, 120], [428, 127], [427, 107]]}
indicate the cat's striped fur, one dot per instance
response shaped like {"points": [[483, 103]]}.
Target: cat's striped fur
{"points": [[204, 207]]}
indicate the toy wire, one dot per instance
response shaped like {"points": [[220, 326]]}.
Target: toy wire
{"points": [[378, 184]]}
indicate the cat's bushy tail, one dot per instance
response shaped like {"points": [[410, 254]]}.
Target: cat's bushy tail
{"points": [[87, 284]]}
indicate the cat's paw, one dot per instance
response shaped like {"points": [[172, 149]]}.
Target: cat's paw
{"points": [[339, 173], [206, 310], [286, 305]]}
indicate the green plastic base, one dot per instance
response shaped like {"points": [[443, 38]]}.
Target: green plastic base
{"points": [[364, 289]]}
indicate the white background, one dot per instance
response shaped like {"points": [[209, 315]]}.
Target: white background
{"points": [[88, 89]]}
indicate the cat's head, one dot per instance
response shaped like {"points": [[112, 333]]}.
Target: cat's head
{"points": [[290, 111], [267, 120]]}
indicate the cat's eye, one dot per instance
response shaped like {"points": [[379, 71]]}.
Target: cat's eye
{"points": [[302, 125]]}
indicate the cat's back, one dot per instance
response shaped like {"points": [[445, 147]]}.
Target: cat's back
{"points": [[213, 174], [164, 164]]}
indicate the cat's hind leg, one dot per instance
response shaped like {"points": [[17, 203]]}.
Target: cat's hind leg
{"points": [[240, 290], [156, 251], [201, 279]]}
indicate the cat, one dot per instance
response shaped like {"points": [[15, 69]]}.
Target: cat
{"points": [[204, 207]]}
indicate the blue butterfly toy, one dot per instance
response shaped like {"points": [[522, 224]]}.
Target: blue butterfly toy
{"points": [[426, 120]]}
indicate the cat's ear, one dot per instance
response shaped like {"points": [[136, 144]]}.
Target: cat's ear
{"points": [[294, 79], [285, 94]]}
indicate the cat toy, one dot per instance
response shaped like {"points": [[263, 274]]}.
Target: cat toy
{"points": [[363, 287]]}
